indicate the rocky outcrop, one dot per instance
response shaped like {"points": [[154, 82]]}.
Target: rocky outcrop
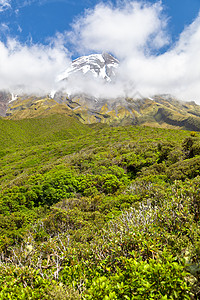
{"points": [[5, 97]]}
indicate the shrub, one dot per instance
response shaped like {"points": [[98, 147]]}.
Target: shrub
{"points": [[137, 279]]}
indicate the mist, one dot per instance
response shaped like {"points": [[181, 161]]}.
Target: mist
{"points": [[135, 32]]}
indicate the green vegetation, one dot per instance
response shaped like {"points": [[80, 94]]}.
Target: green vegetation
{"points": [[98, 212]]}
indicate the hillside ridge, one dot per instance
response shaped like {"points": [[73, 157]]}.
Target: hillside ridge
{"points": [[159, 111]]}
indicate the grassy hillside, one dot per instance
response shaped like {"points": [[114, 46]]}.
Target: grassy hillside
{"points": [[39, 130], [98, 212]]}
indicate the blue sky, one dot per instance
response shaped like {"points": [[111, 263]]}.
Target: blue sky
{"points": [[156, 42], [38, 20]]}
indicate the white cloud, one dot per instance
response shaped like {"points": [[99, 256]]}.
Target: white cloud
{"points": [[177, 71], [4, 4], [133, 31], [32, 69], [122, 30]]}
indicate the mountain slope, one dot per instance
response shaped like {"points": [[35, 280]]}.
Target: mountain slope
{"points": [[159, 111]]}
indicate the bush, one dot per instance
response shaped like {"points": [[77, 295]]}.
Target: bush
{"points": [[137, 279], [22, 283]]}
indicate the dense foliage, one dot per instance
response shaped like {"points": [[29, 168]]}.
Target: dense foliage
{"points": [[98, 212]]}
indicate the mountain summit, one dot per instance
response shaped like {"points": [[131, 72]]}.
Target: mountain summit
{"points": [[97, 65]]}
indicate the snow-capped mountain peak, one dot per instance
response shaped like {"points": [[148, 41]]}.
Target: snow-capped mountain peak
{"points": [[98, 65]]}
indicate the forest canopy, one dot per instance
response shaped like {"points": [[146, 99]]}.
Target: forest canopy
{"points": [[98, 212]]}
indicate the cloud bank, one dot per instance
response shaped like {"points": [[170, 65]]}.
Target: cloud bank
{"points": [[30, 69], [124, 30], [135, 32]]}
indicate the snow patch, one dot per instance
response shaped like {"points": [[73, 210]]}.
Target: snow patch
{"points": [[99, 65], [13, 97]]}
